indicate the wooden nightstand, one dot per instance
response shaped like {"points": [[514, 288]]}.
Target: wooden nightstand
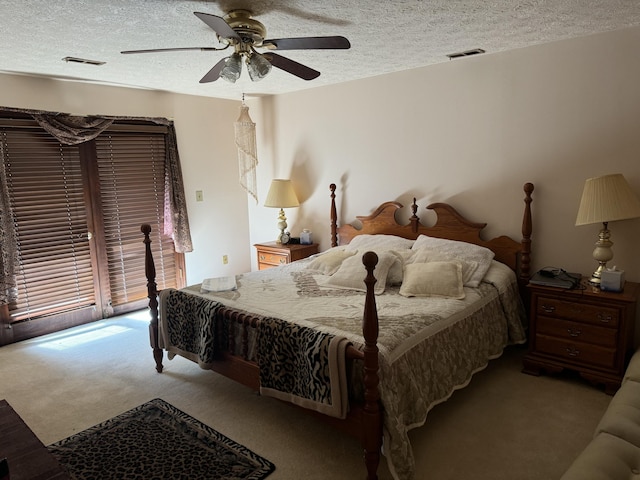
{"points": [[586, 330], [272, 254]]}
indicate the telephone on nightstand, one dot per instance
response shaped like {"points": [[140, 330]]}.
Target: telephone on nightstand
{"points": [[555, 277]]}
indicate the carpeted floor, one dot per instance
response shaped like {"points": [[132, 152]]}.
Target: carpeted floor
{"points": [[157, 440], [504, 425]]}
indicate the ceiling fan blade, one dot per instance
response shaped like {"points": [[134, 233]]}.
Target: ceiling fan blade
{"points": [[307, 43], [155, 50], [291, 66], [214, 74], [218, 25]]}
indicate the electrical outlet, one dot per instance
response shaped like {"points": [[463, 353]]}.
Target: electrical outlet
{"points": [[199, 196], [225, 259]]}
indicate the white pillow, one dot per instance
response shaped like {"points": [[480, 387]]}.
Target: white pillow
{"points": [[434, 279], [352, 273], [439, 249], [378, 242], [425, 255], [396, 272], [328, 262]]}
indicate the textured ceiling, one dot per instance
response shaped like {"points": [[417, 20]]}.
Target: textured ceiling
{"points": [[386, 36]]}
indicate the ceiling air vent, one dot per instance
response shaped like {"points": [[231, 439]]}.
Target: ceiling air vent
{"points": [[467, 53], [83, 60]]}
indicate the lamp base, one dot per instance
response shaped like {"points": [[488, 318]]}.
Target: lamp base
{"points": [[602, 254], [282, 225], [596, 277]]}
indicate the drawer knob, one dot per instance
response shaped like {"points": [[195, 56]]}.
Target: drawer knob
{"points": [[574, 332], [572, 352], [548, 308], [282, 260], [262, 257], [605, 318]]}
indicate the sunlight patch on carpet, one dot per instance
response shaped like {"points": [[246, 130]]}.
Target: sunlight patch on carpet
{"points": [[64, 340]]}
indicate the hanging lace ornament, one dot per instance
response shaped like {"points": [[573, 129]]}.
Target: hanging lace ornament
{"points": [[247, 151]]}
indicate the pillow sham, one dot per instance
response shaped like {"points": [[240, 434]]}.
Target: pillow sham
{"points": [[433, 279], [425, 255], [329, 262], [380, 242], [440, 249], [352, 273]]}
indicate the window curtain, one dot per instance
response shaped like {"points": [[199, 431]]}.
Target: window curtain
{"points": [[72, 130], [8, 240]]}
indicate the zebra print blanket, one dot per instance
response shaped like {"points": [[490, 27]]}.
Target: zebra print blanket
{"points": [[298, 364]]}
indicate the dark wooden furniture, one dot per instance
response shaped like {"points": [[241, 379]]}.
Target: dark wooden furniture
{"points": [[583, 329], [27, 458], [272, 254], [364, 421]]}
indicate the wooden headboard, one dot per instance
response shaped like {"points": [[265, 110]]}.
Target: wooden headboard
{"points": [[449, 224]]}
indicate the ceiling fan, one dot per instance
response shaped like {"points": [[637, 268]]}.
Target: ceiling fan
{"points": [[238, 30]]}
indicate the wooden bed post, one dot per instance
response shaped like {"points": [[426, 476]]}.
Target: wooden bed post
{"points": [[372, 412], [527, 227], [334, 216], [152, 293]]}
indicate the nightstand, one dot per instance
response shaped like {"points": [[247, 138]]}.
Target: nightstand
{"points": [[583, 329], [272, 254]]}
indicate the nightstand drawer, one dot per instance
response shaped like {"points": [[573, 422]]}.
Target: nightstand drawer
{"points": [[272, 258], [274, 254], [579, 332], [581, 353], [579, 311]]}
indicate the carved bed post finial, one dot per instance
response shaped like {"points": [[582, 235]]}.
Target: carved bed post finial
{"points": [[527, 228], [152, 293], [334, 216], [372, 413], [415, 220]]}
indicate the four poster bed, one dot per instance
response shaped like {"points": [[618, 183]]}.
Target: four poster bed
{"points": [[370, 349]]}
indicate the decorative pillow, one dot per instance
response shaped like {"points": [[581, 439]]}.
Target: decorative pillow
{"points": [[426, 255], [329, 262], [434, 279], [379, 243], [352, 273], [440, 249]]}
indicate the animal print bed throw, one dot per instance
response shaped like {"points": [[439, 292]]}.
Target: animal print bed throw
{"points": [[191, 333], [303, 366]]}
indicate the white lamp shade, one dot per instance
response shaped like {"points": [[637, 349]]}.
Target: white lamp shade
{"points": [[281, 195], [607, 199]]}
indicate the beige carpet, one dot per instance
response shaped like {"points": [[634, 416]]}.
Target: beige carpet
{"points": [[504, 425]]}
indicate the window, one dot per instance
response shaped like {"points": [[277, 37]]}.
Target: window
{"points": [[77, 212]]}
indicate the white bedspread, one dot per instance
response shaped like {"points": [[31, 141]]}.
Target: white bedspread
{"points": [[428, 346]]}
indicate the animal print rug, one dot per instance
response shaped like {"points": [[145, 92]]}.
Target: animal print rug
{"points": [[157, 441]]}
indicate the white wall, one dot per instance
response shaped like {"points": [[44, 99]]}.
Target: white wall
{"points": [[205, 133], [470, 132]]}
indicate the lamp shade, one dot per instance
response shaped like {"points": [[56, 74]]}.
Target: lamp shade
{"points": [[281, 195], [607, 199]]}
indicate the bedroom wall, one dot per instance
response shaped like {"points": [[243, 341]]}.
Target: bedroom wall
{"points": [[470, 132], [205, 132]]}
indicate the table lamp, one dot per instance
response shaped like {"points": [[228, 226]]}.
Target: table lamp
{"points": [[281, 195], [606, 199]]}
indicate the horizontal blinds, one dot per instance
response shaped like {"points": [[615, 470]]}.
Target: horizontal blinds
{"points": [[131, 173], [46, 190]]}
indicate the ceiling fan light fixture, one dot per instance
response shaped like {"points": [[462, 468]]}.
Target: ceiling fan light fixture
{"points": [[232, 68], [258, 67]]}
